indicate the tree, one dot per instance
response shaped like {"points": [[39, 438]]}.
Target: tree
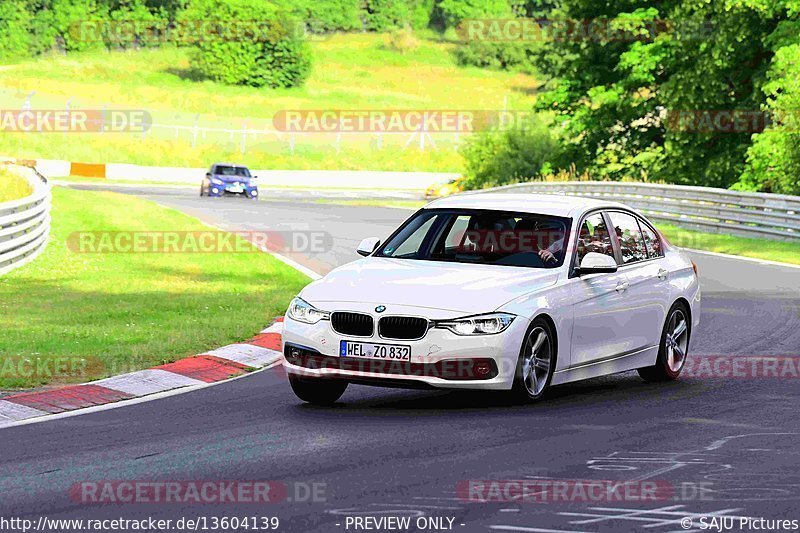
{"points": [[613, 88], [258, 44]]}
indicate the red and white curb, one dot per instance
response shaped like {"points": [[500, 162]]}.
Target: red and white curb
{"points": [[210, 367]]}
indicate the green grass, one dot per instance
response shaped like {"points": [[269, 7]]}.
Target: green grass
{"points": [[785, 252], [12, 187], [351, 71], [117, 312]]}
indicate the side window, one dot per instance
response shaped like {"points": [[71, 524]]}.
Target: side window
{"points": [[594, 237], [651, 240], [631, 243]]}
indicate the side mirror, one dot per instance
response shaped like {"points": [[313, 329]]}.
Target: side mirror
{"points": [[255, 177], [368, 246], [594, 263], [208, 175]]}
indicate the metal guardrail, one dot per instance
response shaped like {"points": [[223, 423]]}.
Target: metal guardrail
{"points": [[24, 223], [745, 214]]}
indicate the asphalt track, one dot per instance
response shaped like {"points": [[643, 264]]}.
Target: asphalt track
{"points": [[722, 446]]}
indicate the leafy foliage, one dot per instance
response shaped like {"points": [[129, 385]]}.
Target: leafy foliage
{"points": [[498, 55], [773, 160], [14, 24], [269, 52], [502, 157], [612, 95], [330, 15], [453, 12], [382, 15]]}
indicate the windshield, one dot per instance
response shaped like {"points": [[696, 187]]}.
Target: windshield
{"points": [[241, 172], [482, 237]]}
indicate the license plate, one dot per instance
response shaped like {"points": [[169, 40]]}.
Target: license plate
{"points": [[370, 350], [236, 188]]}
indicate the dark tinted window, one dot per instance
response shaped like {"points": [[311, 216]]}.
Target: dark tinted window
{"points": [[484, 237], [223, 170]]}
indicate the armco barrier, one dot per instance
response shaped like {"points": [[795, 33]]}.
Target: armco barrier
{"points": [[25, 223], [744, 214]]}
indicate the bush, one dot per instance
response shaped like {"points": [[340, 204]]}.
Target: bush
{"points": [[773, 160], [502, 157], [14, 29], [276, 56], [136, 13], [403, 40], [43, 32], [452, 12], [332, 15], [383, 15], [66, 18], [499, 55], [421, 13]]}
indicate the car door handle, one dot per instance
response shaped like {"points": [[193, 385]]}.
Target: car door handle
{"points": [[622, 287], [662, 274]]}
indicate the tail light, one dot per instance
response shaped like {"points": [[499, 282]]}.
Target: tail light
{"points": [[694, 267]]}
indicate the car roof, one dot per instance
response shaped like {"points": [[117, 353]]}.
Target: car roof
{"points": [[228, 165], [545, 204]]}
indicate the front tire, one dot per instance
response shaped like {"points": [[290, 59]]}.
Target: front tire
{"points": [[536, 363], [317, 391], [673, 349], [204, 189]]}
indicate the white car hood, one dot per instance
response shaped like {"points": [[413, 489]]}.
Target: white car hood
{"points": [[464, 288]]}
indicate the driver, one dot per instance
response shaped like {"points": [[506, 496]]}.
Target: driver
{"points": [[547, 238]]}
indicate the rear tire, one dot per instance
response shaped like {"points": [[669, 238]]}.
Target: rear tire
{"points": [[536, 363], [674, 347], [317, 391]]}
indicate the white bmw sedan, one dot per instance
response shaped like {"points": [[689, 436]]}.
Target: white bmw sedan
{"points": [[513, 292]]}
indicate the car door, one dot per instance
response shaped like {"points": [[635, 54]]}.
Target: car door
{"points": [[601, 308], [643, 264]]}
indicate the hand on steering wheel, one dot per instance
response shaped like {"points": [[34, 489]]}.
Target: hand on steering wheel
{"points": [[547, 255]]}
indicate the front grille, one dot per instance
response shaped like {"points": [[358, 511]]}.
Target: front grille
{"points": [[480, 368], [402, 327], [357, 324]]}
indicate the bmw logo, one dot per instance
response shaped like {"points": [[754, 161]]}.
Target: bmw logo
{"points": [[380, 309]]}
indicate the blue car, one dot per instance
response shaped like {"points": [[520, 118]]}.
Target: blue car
{"points": [[226, 178]]}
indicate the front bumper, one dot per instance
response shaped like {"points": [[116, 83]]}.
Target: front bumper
{"points": [[441, 359], [216, 189]]}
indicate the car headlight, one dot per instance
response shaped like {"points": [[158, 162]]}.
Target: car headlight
{"points": [[216, 181], [478, 325], [303, 311]]}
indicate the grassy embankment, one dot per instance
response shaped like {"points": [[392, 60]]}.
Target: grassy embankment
{"points": [[350, 71], [107, 313]]}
